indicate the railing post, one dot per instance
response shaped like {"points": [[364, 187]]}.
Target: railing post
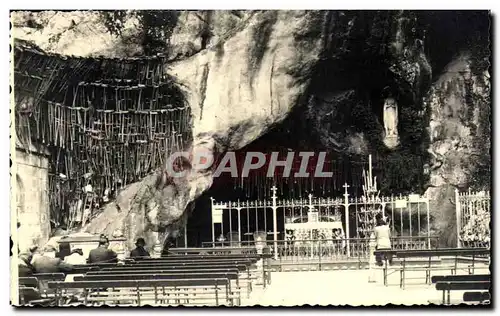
{"points": [[212, 217], [319, 254], [239, 223], [371, 258], [346, 212], [428, 224], [185, 235], [457, 211], [275, 223]]}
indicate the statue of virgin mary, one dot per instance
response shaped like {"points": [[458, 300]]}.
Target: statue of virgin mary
{"points": [[391, 138]]}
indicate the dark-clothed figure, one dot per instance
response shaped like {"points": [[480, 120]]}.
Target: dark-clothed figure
{"points": [[102, 254], [64, 250], [383, 238], [139, 251], [169, 243]]}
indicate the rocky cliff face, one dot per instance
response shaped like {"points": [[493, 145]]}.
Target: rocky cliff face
{"points": [[459, 128], [244, 72]]}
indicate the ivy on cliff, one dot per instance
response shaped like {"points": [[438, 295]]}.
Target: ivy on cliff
{"points": [[157, 26]]}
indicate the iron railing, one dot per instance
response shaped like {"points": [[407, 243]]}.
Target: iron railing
{"points": [[329, 249]]}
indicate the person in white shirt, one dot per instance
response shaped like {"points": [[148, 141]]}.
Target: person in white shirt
{"points": [[383, 238], [76, 257]]}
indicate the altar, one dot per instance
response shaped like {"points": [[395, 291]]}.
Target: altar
{"points": [[314, 227], [345, 222]]}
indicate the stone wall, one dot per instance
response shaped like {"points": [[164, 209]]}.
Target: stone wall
{"points": [[32, 200]]}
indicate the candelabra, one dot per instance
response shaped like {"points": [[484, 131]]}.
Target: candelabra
{"points": [[368, 213]]}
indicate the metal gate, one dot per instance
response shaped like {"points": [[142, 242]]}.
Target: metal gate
{"points": [[473, 212], [234, 224]]}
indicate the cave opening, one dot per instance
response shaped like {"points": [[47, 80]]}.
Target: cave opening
{"points": [[362, 113], [352, 89], [294, 134]]}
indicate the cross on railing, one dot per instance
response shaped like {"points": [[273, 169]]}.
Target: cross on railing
{"points": [[346, 186], [274, 189]]}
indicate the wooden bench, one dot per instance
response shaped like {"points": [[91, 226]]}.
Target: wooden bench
{"points": [[184, 260], [234, 291], [149, 271], [29, 292], [247, 262], [165, 263], [428, 265], [45, 278], [40, 281], [448, 286], [245, 279], [460, 278], [182, 292], [28, 282], [480, 297], [181, 262], [456, 278], [240, 269], [189, 266], [472, 262]]}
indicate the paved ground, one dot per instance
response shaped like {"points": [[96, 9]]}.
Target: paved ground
{"points": [[349, 287]]}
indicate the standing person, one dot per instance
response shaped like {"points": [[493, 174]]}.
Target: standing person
{"points": [[383, 238], [139, 251], [102, 254]]}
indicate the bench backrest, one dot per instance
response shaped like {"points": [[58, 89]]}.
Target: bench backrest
{"points": [[458, 278], [435, 252], [166, 271], [45, 278], [28, 282], [139, 283], [85, 269], [162, 276], [50, 276], [477, 296], [463, 285], [225, 263], [194, 260], [442, 252], [216, 250], [240, 267], [196, 257]]}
